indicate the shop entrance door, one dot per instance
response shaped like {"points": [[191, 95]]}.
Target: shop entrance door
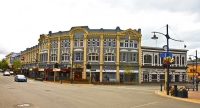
{"points": [[146, 78]]}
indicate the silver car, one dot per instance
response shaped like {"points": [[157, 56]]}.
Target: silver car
{"points": [[20, 78]]}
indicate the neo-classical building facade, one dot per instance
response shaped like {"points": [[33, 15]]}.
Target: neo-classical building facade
{"points": [[153, 70], [107, 50]]}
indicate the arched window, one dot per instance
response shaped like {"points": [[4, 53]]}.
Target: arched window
{"points": [[147, 59], [53, 57], [65, 57], [93, 57], [109, 57]]}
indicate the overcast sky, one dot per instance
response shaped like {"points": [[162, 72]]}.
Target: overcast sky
{"points": [[22, 21]]}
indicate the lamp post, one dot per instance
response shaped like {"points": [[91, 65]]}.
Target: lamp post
{"points": [[167, 37], [196, 59]]}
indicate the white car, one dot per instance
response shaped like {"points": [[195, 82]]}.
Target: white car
{"points": [[6, 73]]}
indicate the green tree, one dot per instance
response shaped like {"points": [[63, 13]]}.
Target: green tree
{"points": [[128, 71], [3, 64], [16, 64]]}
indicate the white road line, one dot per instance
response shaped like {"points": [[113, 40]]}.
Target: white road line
{"points": [[150, 103]]}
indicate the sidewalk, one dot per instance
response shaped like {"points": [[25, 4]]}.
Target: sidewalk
{"points": [[193, 96]]}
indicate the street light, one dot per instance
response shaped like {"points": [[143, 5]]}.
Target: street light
{"points": [[167, 37], [196, 58]]}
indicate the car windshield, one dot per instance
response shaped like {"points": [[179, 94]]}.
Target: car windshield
{"points": [[21, 76]]}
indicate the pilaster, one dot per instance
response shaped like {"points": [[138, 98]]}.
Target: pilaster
{"points": [[101, 58], [117, 58], [58, 60], [85, 56], [139, 60], [71, 52], [48, 55]]}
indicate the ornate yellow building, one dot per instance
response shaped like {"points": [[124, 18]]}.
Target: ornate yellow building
{"points": [[107, 50], [192, 70]]}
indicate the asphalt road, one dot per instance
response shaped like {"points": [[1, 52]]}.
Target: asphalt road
{"points": [[37, 94]]}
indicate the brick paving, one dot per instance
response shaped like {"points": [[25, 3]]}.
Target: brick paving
{"points": [[194, 94]]}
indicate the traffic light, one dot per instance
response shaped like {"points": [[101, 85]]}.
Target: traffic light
{"points": [[88, 66], [56, 65]]}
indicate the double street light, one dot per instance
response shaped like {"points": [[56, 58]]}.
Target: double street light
{"points": [[167, 37]]}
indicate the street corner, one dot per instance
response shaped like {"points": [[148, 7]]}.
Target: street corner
{"points": [[163, 93]]}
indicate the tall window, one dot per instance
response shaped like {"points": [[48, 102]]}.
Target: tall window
{"points": [[110, 42], [133, 57], [93, 57], [147, 59], [109, 57], [93, 42], [156, 59], [183, 61], [123, 57], [65, 57], [177, 58], [53, 57]]}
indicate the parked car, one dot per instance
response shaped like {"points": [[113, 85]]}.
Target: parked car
{"points": [[1, 70], [6, 73], [11, 73], [20, 78]]}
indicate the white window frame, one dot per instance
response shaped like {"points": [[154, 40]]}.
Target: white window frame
{"points": [[65, 57], [110, 56], [133, 57], [93, 57], [54, 58]]}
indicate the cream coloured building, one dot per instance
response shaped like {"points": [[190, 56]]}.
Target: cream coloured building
{"points": [[107, 50]]}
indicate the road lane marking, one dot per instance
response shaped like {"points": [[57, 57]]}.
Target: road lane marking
{"points": [[151, 103]]}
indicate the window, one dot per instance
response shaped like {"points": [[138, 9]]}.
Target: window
{"points": [[183, 61], [123, 57], [97, 42], [78, 56], [93, 57], [177, 58], [147, 59], [53, 57], [121, 44], [135, 45], [126, 43], [156, 59], [75, 43], [65, 57], [109, 57], [133, 57], [88, 42], [105, 43], [81, 43], [131, 44]]}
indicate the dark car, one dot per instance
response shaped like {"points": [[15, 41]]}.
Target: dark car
{"points": [[20, 78]]}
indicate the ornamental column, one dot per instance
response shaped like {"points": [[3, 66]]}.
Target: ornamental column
{"points": [[58, 60], [101, 58], [71, 53], [85, 56], [139, 60], [48, 54], [117, 58]]}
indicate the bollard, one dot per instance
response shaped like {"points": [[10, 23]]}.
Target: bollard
{"points": [[160, 87], [61, 81], [196, 87], [175, 91]]}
